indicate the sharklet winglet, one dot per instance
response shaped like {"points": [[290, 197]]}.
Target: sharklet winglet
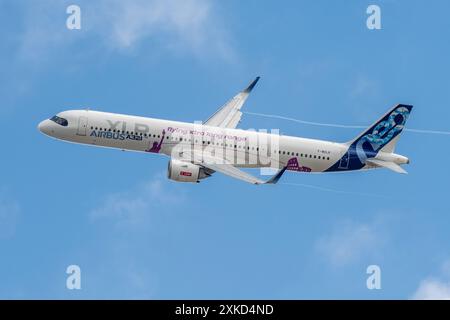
{"points": [[252, 85], [276, 177]]}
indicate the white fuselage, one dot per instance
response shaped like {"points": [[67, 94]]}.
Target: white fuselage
{"points": [[243, 148]]}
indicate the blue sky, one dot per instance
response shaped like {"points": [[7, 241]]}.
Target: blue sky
{"points": [[135, 234]]}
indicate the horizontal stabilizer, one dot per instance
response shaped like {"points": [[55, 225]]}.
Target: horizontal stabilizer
{"points": [[386, 164]]}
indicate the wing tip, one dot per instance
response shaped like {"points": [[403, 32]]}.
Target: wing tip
{"points": [[276, 177], [252, 85]]}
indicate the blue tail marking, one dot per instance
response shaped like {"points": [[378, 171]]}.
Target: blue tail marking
{"points": [[370, 142]]}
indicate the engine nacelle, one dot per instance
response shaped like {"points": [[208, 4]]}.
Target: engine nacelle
{"points": [[183, 171]]}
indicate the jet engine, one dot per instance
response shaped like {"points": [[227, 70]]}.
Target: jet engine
{"points": [[183, 171]]}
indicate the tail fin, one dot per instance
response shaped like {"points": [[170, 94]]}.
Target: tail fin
{"points": [[383, 134]]}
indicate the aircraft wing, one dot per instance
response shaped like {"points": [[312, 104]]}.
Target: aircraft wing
{"points": [[225, 167], [229, 115], [234, 172]]}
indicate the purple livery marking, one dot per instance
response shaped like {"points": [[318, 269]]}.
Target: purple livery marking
{"points": [[293, 165], [157, 146]]}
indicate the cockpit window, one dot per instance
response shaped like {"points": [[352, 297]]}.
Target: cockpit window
{"points": [[61, 121]]}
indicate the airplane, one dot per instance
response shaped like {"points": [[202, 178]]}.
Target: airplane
{"points": [[197, 150]]}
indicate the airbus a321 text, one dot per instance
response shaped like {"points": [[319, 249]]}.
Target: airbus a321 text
{"points": [[196, 151]]}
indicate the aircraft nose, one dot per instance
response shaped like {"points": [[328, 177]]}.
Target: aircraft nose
{"points": [[45, 127]]}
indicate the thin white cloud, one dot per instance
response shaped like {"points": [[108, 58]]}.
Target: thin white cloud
{"points": [[134, 208], [432, 289], [135, 216], [38, 37], [186, 26], [435, 288], [192, 24], [363, 86], [363, 90], [350, 241], [9, 216]]}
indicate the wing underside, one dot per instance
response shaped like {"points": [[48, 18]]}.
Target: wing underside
{"points": [[229, 116], [234, 172], [225, 167]]}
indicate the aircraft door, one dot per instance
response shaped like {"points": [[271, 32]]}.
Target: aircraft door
{"points": [[82, 126]]}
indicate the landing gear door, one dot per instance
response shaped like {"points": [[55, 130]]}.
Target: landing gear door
{"points": [[82, 126]]}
